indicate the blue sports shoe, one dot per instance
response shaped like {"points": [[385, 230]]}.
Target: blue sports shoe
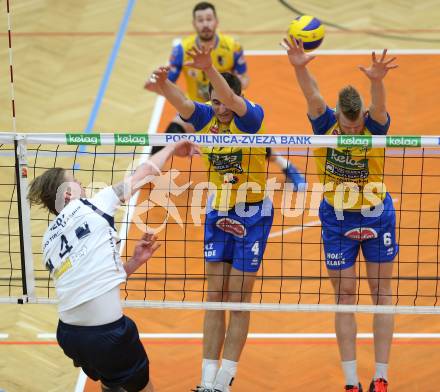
{"points": [[296, 178]]}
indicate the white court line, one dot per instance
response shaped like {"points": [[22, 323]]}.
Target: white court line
{"points": [[46, 336], [344, 52], [81, 382], [289, 335], [270, 336], [4, 335]]}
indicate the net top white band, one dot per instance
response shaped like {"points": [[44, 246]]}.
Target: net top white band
{"points": [[241, 140]]}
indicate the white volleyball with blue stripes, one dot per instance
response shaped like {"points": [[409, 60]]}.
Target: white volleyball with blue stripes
{"points": [[309, 30]]}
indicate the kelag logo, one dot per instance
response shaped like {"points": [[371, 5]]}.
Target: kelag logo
{"points": [[354, 141], [404, 141], [131, 139], [81, 138]]}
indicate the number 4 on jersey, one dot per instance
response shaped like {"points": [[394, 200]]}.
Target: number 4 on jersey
{"points": [[256, 248], [65, 247]]}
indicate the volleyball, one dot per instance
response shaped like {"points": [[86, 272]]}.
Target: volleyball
{"points": [[309, 30]]}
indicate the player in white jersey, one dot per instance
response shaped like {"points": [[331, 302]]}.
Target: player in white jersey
{"points": [[81, 251]]}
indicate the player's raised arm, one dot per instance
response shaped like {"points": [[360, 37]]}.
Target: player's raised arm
{"points": [[145, 172], [202, 60], [376, 72], [172, 93], [240, 66], [299, 60], [175, 68]]}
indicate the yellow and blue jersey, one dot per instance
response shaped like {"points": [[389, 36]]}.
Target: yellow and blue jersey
{"points": [[227, 56], [365, 225], [359, 165], [231, 168]]}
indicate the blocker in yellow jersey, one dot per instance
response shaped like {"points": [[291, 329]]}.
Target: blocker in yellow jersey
{"points": [[235, 238], [371, 224]]}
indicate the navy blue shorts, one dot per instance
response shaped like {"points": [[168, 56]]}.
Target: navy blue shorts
{"points": [[111, 353], [237, 239], [343, 238]]}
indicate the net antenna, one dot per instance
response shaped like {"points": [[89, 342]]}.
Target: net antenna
{"points": [[28, 281]]}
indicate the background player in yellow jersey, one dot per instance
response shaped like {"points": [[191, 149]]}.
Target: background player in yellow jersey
{"points": [[367, 221], [238, 225], [227, 56]]}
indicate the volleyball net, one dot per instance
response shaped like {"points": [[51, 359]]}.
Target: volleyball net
{"points": [[293, 275]]}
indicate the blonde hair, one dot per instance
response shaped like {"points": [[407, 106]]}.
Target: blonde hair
{"points": [[349, 103], [43, 189]]}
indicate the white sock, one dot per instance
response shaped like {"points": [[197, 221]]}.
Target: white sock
{"points": [[209, 371], [282, 162], [225, 375], [350, 372], [381, 371]]}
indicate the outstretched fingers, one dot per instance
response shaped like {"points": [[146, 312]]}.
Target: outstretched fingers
{"points": [[384, 53], [295, 41], [286, 44], [159, 73], [292, 44], [390, 60], [191, 53]]}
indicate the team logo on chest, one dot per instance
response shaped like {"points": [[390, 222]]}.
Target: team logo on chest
{"points": [[342, 164], [227, 163]]}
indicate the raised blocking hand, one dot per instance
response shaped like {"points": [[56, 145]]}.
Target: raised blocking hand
{"points": [[378, 68], [295, 52], [201, 58]]}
